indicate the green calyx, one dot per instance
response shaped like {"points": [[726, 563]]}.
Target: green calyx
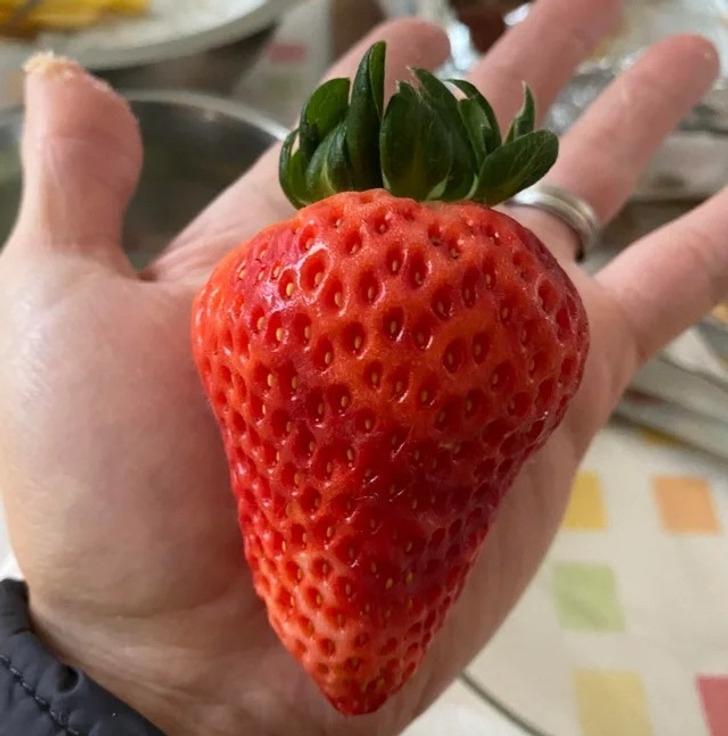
{"points": [[429, 143]]}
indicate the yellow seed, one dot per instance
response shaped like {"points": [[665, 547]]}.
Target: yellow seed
{"points": [[294, 382], [409, 577], [488, 279], [344, 402], [468, 406], [260, 276], [395, 266], [388, 585], [367, 607], [358, 341], [398, 387], [307, 332], [284, 546], [347, 589], [279, 334], [289, 289], [276, 272], [320, 410], [339, 299], [375, 379], [495, 380], [259, 324], [297, 479], [505, 313], [350, 455], [291, 602], [319, 599], [311, 446], [441, 417], [278, 456], [289, 427], [352, 553], [371, 293], [440, 307], [318, 278], [328, 358], [392, 489], [373, 568], [264, 410], [409, 546], [330, 532], [414, 504], [416, 455], [424, 396], [269, 380], [329, 468], [373, 523], [410, 604], [299, 574]]}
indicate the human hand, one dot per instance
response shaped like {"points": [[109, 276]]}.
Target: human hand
{"points": [[114, 477]]}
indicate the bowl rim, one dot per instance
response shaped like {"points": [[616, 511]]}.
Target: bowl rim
{"points": [[201, 101], [15, 54]]}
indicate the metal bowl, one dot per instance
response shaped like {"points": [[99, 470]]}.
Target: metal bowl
{"points": [[195, 146]]}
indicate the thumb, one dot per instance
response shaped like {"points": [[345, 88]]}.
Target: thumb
{"points": [[82, 154]]}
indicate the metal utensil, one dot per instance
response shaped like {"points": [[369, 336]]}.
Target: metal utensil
{"points": [[195, 146]]}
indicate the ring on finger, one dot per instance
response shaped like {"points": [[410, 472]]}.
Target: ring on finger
{"points": [[571, 209]]}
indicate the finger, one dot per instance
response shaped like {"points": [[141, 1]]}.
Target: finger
{"points": [[81, 153], [248, 205], [604, 154], [670, 279], [543, 50]]}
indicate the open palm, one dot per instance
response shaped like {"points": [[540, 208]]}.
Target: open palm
{"points": [[112, 468]]}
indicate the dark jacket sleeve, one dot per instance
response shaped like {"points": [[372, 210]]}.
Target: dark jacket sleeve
{"points": [[40, 696]]}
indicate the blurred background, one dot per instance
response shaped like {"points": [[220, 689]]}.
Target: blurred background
{"points": [[624, 632]]}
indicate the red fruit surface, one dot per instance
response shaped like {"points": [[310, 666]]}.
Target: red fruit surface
{"points": [[380, 369]]}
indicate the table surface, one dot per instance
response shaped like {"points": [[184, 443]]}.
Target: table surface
{"points": [[624, 631]]}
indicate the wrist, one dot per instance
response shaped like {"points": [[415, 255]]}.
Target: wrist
{"points": [[173, 685]]}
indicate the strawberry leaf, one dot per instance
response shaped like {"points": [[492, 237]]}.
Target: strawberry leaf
{"points": [[323, 112], [292, 172], [445, 106], [516, 166], [328, 171], [427, 143], [525, 121], [478, 129], [492, 132], [416, 147], [364, 120]]}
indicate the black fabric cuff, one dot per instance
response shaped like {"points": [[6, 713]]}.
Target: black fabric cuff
{"points": [[40, 696]]}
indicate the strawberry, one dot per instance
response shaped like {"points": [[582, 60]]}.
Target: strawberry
{"points": [[381, 365]]}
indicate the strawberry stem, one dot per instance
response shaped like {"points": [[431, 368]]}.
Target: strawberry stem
{"points": [[428, 143]]}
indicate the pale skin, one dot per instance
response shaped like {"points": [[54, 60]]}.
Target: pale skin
{"points": [[112, 470]]}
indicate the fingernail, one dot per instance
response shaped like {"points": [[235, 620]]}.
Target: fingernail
{"points": [[47, 64]]}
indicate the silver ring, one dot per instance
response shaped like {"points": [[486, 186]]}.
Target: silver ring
{"points": [[574, 211]]}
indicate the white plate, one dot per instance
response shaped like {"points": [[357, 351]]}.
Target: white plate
{"points": [[148, 39]]}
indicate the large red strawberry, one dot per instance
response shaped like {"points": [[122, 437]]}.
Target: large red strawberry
{"points": [[381, 365]]}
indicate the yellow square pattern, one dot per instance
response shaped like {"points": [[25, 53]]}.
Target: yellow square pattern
{"points": [[586, 506], [611, 704], [686, 505]]}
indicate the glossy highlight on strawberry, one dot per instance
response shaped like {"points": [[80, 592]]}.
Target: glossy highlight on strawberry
{"points": [[380, 368]]}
